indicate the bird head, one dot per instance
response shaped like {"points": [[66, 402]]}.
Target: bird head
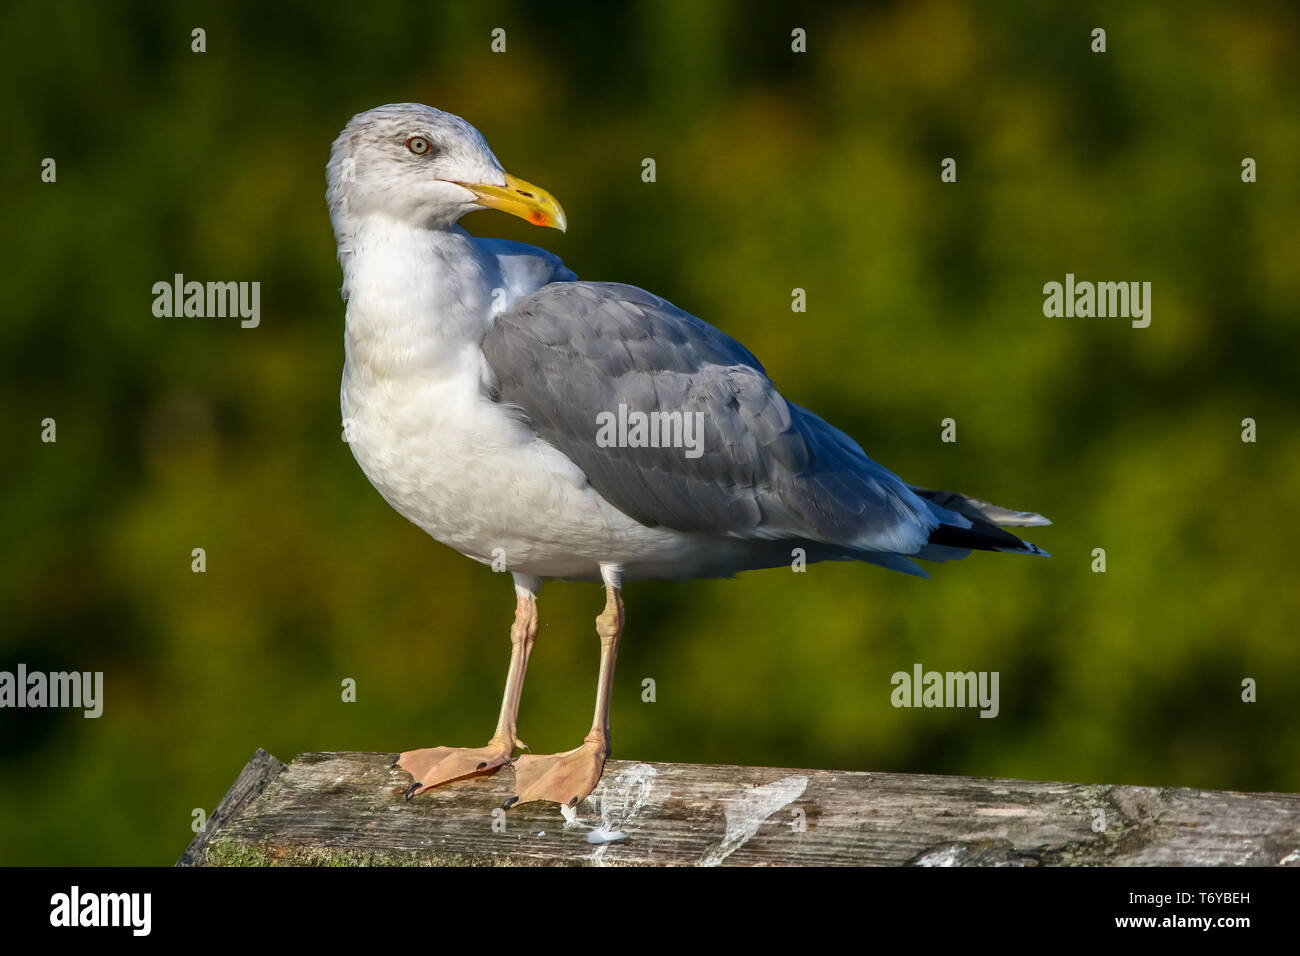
{"points": [[427, 168]]}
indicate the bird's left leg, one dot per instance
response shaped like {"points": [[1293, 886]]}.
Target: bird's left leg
{"points": [[568, 777]]}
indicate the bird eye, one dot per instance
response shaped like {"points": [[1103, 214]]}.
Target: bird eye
{"points": [[418, 145]]}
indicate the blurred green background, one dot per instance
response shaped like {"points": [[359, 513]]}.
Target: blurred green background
{"points": [[776, 170]]}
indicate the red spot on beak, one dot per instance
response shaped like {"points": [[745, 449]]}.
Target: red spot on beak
{"points": [[537, 217]]}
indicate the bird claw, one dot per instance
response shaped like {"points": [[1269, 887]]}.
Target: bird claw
{"points": [[410, 791]]}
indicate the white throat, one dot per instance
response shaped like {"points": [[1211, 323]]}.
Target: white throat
{"points": [[417, 298]]}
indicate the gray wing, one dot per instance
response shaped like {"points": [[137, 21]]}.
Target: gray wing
{"points": [[571, 353]]}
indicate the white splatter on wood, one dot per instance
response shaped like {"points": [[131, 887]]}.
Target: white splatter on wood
{"points": [[946, 856], [618, 800], [746, 813]]}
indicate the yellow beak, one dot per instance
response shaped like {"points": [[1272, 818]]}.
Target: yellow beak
{"points": [[522, 199]]}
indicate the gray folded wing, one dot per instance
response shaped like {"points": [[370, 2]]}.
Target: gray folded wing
{"points": [[570, 354]]}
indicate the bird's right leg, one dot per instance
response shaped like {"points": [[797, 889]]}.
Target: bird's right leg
{"points": [[437, 765]]}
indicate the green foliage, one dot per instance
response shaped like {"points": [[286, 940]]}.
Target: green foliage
{"points": [[775, 170]]}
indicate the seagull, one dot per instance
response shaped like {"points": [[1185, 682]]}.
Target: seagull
{"points": [[574, 430]]}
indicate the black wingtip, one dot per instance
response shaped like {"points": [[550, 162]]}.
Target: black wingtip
{"points": [[983, 537]]}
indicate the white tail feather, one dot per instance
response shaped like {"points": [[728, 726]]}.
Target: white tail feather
{"points": [[1008, 518]]}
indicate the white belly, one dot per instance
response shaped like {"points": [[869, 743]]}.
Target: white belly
{"points": [[463, 469]]}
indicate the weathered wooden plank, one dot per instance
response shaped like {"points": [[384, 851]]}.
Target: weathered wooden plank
{"points": [[339, 809], [252, 780]]}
